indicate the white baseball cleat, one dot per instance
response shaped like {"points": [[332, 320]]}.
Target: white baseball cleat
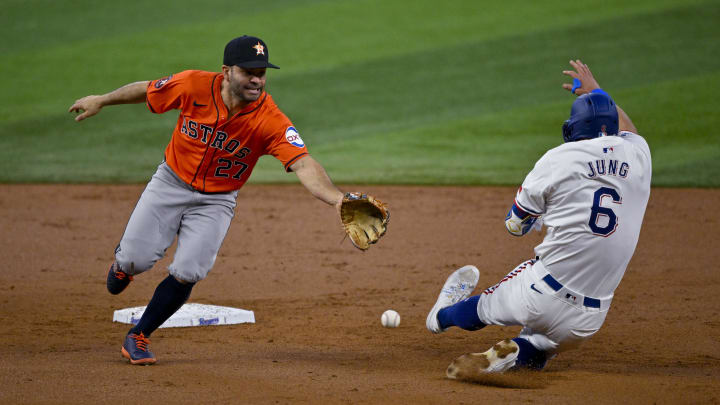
{"points": [[458, 286], [500, 358]]}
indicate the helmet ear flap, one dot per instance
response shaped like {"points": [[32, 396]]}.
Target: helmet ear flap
{"points": [[566, 131]]}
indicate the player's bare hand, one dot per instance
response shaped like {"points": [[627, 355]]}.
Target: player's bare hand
{"points": [[86, 107], [583, 80]]}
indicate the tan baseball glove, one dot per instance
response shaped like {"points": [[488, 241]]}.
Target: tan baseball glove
{"points": [[364, 218]]}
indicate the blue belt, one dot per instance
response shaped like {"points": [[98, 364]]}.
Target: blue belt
{"points": [[555, 285]]}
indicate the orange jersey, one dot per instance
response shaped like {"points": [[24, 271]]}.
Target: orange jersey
{"points": [[211, 150]]}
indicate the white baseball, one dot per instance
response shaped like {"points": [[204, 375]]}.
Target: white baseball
{"points": [[390, 319]]}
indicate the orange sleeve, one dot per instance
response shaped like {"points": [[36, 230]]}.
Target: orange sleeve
{"points": [[285, 143], [168, 93]]}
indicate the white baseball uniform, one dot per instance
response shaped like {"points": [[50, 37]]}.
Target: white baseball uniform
{"points": [[592, 196]]}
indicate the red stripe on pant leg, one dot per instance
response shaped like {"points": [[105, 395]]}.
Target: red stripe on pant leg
{"points": [[517, 271]]}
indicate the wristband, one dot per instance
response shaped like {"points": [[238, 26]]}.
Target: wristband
{"points": [[601, 91]]}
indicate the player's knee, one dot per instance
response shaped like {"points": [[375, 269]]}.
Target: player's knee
{"points": [[134, 258], [188, 273], [529, 356], [133, 265]]}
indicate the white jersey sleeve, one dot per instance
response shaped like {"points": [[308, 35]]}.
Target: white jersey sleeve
{"points": [[538, 184]]}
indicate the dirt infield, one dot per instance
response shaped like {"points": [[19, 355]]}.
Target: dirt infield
{"points": [[318, 303]]}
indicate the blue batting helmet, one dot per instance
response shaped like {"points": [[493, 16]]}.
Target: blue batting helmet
{"points": [[591, 115]]}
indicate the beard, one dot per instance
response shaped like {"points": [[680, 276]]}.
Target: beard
{"points": [[248, 94], [245, 92]]}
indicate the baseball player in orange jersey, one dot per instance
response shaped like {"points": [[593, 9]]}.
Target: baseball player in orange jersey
{"points": [[226, 122]]}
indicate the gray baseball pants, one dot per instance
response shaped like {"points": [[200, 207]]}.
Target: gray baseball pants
{"points": [[167, 208]]}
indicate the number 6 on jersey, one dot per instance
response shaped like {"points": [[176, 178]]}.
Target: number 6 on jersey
{"points": [[598, 211]]}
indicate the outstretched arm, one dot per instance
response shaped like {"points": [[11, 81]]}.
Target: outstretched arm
{"points": [[129, 94], [364, 218], [625, 124], [313, 176], [584, 82]]}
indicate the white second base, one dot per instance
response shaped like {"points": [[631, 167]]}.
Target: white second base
{"points": [[191, 315]]}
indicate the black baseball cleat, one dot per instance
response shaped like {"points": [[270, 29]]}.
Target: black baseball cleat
{"points": [[117, 280], [136, 348]]}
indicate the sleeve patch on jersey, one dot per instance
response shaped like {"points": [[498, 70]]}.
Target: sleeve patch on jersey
{"points": [[292, 136], [161, 82]]}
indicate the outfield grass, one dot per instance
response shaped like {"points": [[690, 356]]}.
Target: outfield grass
{"points": [[382, 92]]}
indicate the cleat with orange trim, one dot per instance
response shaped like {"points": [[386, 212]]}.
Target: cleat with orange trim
{"points": [[117, 280], [136, 348]]}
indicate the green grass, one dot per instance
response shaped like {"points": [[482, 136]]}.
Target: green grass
{"points": [[382, 92]]}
